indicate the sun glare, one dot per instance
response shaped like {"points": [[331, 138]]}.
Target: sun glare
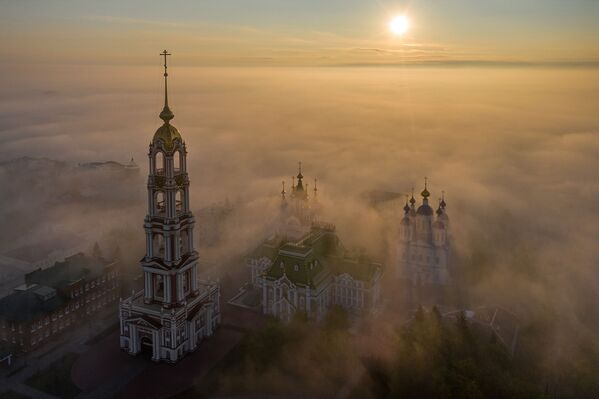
{"points": [[399, 25]]}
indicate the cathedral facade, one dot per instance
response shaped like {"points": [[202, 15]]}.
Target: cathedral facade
{"points": [[310, 275], [175, 310], [423, 246]]}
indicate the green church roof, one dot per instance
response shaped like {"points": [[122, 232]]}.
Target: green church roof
{"points": [[317, 256]]}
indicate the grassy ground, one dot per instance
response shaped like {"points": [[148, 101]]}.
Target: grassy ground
{"points": [[56, 379]]}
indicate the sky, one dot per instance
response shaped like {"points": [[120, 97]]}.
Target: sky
{"points": [[300, 33]]}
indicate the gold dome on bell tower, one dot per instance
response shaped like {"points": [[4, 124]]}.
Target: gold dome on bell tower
{"points": [[166, 133]]}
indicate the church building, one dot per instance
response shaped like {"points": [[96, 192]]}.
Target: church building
{"points": [[175, 310], [423, 245], [310, 275], [305, 269]]}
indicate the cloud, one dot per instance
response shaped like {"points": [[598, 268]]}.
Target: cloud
{"points": [[134, 21], [515, 150]]}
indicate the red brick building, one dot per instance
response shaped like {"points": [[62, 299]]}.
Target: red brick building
{"points": [[54, 299]]}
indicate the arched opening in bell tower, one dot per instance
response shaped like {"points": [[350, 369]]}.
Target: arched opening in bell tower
{"points": [[179, 201], [158, 287], [158, 245], [177, 161], [184, 242], [159, 163], [159, 202], [186, 280]]}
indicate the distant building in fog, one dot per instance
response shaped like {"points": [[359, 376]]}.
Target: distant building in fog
{"points": [[174, 312], [56, 298], [130, 166], [423, 243], [298, 210]]}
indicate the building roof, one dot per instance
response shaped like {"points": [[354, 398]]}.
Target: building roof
{"points": [[28, 305], [317, 256], [72, 269], [39, 295], [360, 268], [267, 249]]}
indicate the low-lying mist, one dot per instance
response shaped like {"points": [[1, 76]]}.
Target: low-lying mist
{"points": [[515, 150]]}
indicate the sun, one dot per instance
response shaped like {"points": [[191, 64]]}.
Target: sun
{"points": [[399, 25]]}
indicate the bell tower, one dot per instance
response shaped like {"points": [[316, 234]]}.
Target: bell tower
{"points": [[170, 261], [176, 309]]}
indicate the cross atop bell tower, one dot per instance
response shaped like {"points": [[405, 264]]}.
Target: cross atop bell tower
{"points": [[166, 115]]}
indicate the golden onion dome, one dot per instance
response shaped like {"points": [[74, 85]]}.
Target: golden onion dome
{"points": [[168, 134]]}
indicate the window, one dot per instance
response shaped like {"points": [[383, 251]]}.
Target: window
{"points": [[158, 286], [158, 245], [159, 202], [179, 200], [185, 279], [177, 161], [159, 162]]}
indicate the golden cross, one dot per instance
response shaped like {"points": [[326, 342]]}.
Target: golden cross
{"points": [[164, 54]]}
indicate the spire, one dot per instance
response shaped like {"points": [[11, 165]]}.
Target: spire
{"points": [[439, 211], [299, 186], [442, 204], [425, 194], [412, 200], [406, 208], [315, 189], [166, 115]]}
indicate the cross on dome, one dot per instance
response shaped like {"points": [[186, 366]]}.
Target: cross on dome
{"points": [[166, 115]]}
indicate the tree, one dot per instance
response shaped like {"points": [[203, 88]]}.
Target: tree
{"points": [[337, 319]]}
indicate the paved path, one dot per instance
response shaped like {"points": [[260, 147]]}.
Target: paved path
{"points": [[31, 392], [165, 380], [104, 370]]}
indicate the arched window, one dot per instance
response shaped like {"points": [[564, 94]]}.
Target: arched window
{"points": [[179, 200], [159, 201], [184, 242], [159, 163], [158, 286], [177, 161], [185, 281], [158, 245]]}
